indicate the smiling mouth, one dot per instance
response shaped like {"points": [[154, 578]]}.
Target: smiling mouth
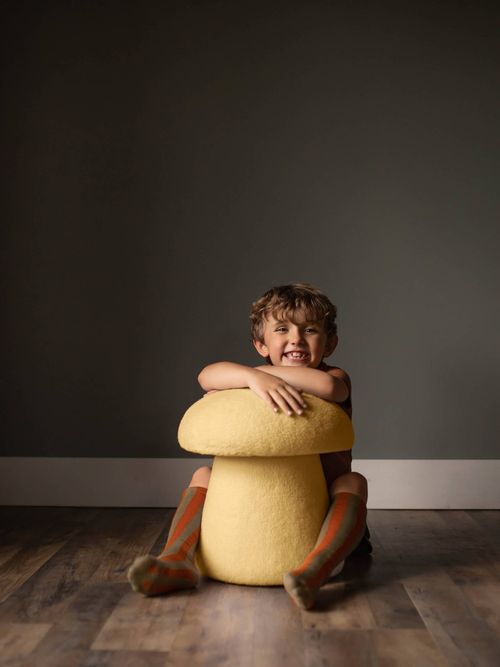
{"points": [[298, 356]]}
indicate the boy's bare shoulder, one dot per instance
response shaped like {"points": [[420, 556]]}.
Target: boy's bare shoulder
{"points": [[340, 373]]}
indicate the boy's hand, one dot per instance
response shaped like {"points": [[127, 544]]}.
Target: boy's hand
{"points": [[276, 392]]}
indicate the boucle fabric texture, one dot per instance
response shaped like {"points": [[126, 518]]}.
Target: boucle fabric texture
{"points": [[267, 496], [237, 422], [261, 517]]}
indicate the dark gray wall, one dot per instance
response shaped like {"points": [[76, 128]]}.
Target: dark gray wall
{"points": [[168, 162]]}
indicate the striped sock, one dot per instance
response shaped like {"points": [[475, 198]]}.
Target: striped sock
{"points": [[174, 568], [341, 532]]}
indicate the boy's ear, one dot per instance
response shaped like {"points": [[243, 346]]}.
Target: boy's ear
{"points": [[331, 344], [261, 348]]}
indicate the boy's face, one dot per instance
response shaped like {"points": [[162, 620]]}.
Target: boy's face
{"points": [[302, 343]]}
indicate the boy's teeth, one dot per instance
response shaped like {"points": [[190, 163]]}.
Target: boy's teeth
{"points": [[296, 355]]}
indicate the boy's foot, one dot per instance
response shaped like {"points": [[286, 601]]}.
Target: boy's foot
{"points": [[153, 576], [300, 592], [297, 588]]}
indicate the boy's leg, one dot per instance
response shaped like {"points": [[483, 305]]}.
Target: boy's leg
{"points": [[341, 532], [174, 568]]}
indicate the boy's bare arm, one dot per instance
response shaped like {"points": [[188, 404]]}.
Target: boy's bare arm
{"points": [[224, 375], [327, 385], [275, 391]]}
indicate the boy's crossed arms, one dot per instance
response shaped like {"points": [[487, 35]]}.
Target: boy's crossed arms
{"points": [[280, 387]]}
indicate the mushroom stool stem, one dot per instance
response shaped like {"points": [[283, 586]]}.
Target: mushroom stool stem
{"points": [[262, 516]]}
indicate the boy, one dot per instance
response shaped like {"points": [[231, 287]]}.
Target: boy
{"points": [[294, 329]]}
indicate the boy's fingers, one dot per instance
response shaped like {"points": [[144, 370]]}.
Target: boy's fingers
{"points": [[295, 399], [273, 404], [291, 402], [298, 395], [280, 401], [286, 398], [269, 400]]}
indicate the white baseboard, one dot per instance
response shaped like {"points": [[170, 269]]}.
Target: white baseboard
{"points": [[115, 482]]}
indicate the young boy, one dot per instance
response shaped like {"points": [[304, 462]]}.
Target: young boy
{"points": [[294, 329]]}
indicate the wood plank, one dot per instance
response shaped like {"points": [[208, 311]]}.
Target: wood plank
{"points": [[327, 647], [240, 605], [135, 537], [7, 551], [391, 605], [266, 627], [411, 648], [485, 598], [408, 535], [23, 564], [33, 537], [124, 659], [400, 527], [20, 524], [479, 583], [95, 552], [277, 636], [478, 570], [68, 642], [18, 640], [489, 522], [22, 517], [210, 635], [139, 623], [38, 595], [456, 627], [464, 532], [432, 541]]}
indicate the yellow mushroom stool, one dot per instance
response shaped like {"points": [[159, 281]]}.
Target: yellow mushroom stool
{"points": [[267, 496]]}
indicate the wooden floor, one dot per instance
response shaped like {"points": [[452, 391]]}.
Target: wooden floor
{"points": [[429, 596]]}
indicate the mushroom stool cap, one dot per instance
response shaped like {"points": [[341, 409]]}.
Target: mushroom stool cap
{"points": [[237, 422]]}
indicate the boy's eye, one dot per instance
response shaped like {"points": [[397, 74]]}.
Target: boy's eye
{"points": [[311, 330]]}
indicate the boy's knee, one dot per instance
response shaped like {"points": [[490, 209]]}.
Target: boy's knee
{"points": [[201, 477], [351, 482]]}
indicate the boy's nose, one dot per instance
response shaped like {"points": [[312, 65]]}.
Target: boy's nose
{"points": [[295, 337]]}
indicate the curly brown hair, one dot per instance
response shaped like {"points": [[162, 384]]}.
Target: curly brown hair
{"points": [[284, 301]]}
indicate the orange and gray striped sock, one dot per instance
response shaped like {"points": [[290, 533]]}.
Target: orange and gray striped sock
{"points": [[174, 568], [341, 532]]}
